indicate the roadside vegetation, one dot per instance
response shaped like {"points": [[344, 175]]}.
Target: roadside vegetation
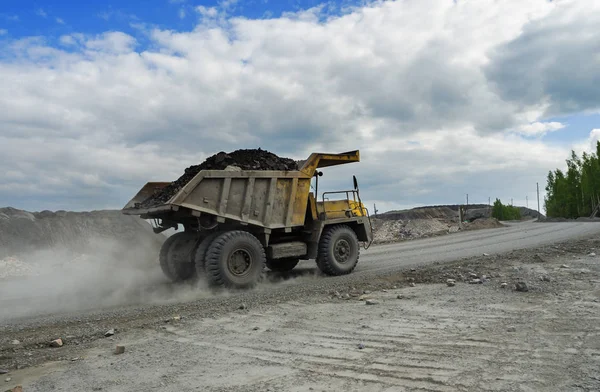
{"points": [[506, 213], [575, 193]]}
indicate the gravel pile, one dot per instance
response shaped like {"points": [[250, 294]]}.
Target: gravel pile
{"points": [[26, 235], [400, 230], [483, 223], [244, 159]]}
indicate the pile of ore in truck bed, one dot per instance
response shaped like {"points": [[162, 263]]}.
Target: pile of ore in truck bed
{"points": [[244, 159]]}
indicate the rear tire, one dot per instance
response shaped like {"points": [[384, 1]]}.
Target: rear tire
{"points": [[338, 250], [179, 259], [163, 256], [235, 259], [282, 265], [201, 251]]}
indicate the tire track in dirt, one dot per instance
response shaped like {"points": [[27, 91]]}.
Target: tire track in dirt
{"points": [[413, 352]]}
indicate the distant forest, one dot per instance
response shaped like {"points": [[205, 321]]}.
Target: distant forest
{"points": [[575, 193]]}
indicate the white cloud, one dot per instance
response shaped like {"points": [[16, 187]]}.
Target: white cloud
{"points": [[10, 17], [106, 15], [60, 21], [539, 128], [594, 139], [3, 32], [72, 39], [417, 95], [181, 13], [209, 12], [589, 144], [227, 4], [41, 12], [113, 42]]}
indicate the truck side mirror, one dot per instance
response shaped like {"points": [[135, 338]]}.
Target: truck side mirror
{"points": [[355, 182]]}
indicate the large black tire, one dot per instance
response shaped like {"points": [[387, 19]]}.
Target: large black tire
{"points": [[180, 255], [200, 256], [163, 256], [338, 250], [235, 259], [282, 265]]}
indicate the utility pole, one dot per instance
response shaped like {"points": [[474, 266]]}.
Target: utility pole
{"points": [[537, 185], [375, 209], [467, 200]]}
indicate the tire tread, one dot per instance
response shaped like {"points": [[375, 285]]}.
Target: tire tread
{"points": [[163, 256], [202, 252], [179, 274], [323, 262], [213, 256]]}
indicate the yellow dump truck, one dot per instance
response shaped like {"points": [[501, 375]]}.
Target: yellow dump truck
{"points": [[237, 222]]}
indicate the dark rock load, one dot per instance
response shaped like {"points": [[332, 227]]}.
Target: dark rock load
{"points": [[244, 159]]}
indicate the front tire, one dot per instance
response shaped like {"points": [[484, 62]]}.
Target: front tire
{"points": [[338, 250], [235, 259]]}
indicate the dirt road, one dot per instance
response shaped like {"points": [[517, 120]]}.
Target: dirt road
{"points": [[418, 335], [384, 258], [293, 334], [149, 291], [82, 292]]}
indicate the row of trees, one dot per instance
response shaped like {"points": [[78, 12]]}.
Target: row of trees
{"points": [[502, 212], [576, 192]]}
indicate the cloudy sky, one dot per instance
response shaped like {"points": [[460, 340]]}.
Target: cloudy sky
{"points": [[443, 98]]}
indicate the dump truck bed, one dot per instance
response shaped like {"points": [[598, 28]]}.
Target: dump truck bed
{"points": [[270, 199]]}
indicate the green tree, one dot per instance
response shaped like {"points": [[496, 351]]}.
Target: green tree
{"points": [[502, 212], [576, 192]]}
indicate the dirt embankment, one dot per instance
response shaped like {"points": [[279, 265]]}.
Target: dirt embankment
{"points": [[24, 233], [482, 223], [54, 261], [420, 213], [473, 211], [385, 231], [484, 212], [424, 222]]}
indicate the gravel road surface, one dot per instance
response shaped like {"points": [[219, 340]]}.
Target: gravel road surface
{"points": [[385, 258], [150, 293], [375, 331]]}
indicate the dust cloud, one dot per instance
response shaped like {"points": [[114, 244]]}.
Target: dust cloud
{"points": [[108, 273]]}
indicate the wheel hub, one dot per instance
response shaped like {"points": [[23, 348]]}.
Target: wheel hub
{"points": [[239, 262], [342, 251]]}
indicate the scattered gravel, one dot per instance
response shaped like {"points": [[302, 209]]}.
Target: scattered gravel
{"points": [[314, 340], [80, 329]]}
